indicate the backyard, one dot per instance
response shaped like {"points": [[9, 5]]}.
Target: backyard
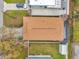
{"points": [[45, 49], [14, 1], [14, 18]]}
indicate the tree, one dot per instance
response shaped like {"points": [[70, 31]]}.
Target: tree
{"points": [[13, 50]]}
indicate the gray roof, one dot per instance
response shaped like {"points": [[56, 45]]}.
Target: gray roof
{"points": [[48, 11], [39, 57]]}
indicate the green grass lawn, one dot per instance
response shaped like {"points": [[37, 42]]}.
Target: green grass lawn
{"points": [[76, 31], [14, 18], [15, 1], [46, 49]]}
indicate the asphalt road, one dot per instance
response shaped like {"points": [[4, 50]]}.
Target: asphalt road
{"points": [[1, 13]]}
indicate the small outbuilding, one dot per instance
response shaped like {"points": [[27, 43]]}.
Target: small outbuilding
{"points": [[63, 49]]}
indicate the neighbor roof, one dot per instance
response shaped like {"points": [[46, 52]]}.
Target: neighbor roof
{"points": [[42, 2], [43, 28], [39, 57]]}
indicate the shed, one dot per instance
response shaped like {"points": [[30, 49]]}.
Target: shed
{"points": [[63, 49]]}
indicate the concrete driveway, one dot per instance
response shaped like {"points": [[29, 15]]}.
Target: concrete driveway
{"points": [[12, 6]]}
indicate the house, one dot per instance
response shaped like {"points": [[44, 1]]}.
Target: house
{"points": [[43, 28], [46, 3], [49, 8]]}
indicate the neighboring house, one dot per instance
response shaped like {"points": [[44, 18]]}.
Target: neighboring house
{"points": [[49, 8]]}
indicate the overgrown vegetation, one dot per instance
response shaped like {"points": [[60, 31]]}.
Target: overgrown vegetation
{"points": [[11, 49], [74, 26]]}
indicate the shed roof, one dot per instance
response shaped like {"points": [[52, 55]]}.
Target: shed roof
{"points": [[40, 57], [43, 28]]}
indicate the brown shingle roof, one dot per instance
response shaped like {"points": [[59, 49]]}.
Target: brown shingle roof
{"points": [[43, 28]]}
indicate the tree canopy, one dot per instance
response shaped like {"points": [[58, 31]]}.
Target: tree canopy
{"points": [[11, 49]]}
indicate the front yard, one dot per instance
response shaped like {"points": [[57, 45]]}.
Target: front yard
{"points": [[15, 1], [45, 49], [14, 18]]}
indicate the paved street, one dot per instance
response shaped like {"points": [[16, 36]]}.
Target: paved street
{"points": [[1, 13]]}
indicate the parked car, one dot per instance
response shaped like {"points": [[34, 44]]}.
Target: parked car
{"points": [[19, 5]]}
